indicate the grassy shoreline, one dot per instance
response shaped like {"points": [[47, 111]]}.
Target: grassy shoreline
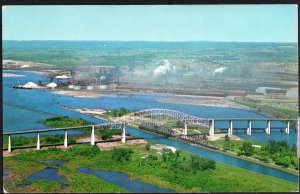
{"points": [[269, 111], [152, 170], [274, 166], [291, 171]]}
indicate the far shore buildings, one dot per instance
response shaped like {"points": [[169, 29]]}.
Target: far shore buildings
{"points": [[292, 92], [269, 90]]}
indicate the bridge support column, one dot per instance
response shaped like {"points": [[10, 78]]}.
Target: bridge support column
{"points": [[66, 139], [185, 129], [38, 146], [287, 129], [9, 144], [93, 135], [268, 129], [212, 128], [230, 128], [249, 129], [123, 134]]}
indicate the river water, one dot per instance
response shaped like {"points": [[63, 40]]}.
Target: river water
{"points": [[16, 119]]}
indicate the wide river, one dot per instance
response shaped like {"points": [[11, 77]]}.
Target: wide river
{"points": [[18, 119]]}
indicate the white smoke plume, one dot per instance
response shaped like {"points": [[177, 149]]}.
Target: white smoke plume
{"points": [[219, 70], [163, 69], [141, 72]]}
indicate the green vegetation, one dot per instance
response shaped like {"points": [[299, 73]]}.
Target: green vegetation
{"points": [[247, 149], [64, 54], [247, 103], [65, 121], [291, 113], [118, 112], [108, 133], [121, 154], [280, 153], [19, 141], [274, 111], [84, 150], [275, 152], [147, 147], [180, 171]]}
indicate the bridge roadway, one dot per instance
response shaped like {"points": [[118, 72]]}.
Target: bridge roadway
{"points": [[151, 116]]}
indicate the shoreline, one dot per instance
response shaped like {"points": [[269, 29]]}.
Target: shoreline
{"points": [[253, 160], [209, 101], [4, 74], [294, 172], [161, 98]]}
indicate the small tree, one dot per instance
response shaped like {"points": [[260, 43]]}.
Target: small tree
{"points": [[179, 124], [247, 149], [121, 154], [147, 146], [227, 138], [205, 138], [177, 152]]}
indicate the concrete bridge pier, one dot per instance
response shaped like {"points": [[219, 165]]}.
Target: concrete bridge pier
{"points": [[230, 128], [287, 129], [93, 135], [9, 143], [249, 129], [185, 129], [212, 128], [38, 146], [66, 139], [123, 134], [268, 129]]}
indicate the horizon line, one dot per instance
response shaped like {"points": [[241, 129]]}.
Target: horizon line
{"points": [[160, 41]]}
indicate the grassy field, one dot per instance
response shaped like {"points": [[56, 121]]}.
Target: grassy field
{"points": [[154, 169], [138, 53], [273, 111]]}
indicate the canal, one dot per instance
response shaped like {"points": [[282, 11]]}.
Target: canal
{"points": [[16, 119]]}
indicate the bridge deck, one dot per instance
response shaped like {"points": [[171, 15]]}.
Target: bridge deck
{"points": [[55, 129]]}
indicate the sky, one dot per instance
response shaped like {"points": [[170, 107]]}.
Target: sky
{"points": [[240, 23]]}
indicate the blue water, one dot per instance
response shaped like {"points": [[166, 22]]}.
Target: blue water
{"points": [[6, 174], [19, 119], [64, 187], [123, 181], [23, 185], [48, 174], [48, 102]]}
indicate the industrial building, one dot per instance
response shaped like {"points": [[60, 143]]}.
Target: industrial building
{"points": [[292, 92], [269, 90]]}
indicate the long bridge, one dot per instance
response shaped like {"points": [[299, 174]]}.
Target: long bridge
{"points": [[158, 121]]}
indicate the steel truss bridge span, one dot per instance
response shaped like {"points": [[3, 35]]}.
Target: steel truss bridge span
{"points": [[162, 121], [164, 115]]}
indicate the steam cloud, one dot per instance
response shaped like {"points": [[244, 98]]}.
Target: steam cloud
{"points": [[163, 69], [219, 70]]}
